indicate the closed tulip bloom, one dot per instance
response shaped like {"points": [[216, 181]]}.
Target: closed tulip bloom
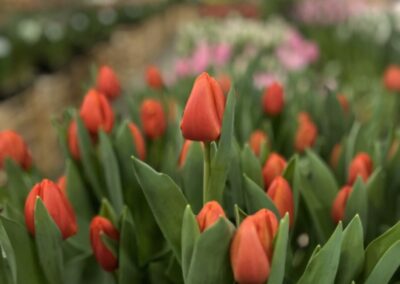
{"points": [[184, 152], [251, 248], [103, 255], [361, 166], [204, 110], [281, 194], [56, 204], [96, 112], [273, 167], [306, 134], [153, 78], [225, 82], [257, 139], [13, 147], [209, 215], [339, 204], [153, 118], [73, 143], [344, 103], [273, 99], [335, 155], [108, 83], [391, 78], [138, 140]]}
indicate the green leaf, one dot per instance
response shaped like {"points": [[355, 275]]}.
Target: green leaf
{"points": [[352, 252], [357, 203], [323, 265], [49, 244], [375, 188], [251, 166], [108, 212], [210, 260], [277, 272], [8, 265], [110, 243], [111, 172], [351, 146], [190, 234], [166, 201], [257, 199], [289, 174], [240, 215]]}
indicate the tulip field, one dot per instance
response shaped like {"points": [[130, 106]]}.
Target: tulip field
{"points": [[217, 171]]}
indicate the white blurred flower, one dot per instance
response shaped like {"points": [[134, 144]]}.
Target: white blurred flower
{"points": [[54, 31], [29, 30], [79, 21]]}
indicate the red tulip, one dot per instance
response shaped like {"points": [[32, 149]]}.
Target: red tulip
{"points": [[108, 83], [154, 78], [281, 194], [339, 204], [12, 146], [138, 141], [335, 155], [225, 82], [273, 167], [57, 205], [153, 118], [257, 139], [360, 166], [251, 248], [73, 143], [273, 99], [103, 255], [344, 103], [184, 152], [96, 112], [202, 117], [209, 215], [306, 134], [391, 78]]}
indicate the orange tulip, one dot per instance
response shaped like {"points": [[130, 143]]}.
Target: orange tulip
{"points": [[391, 78], [57, 205], [225, 82], [306, 134], [361, 166], [273, 167], [339, 204], [257, 138], [138, 140], [252, 246], [73, 143], [184, 152], [154, 78], [103, 255], [335, 155], [108, 83], [96, 112], [344, 103], [153, 118], [202, 117], [12, 146], [281, 194], [209, 215], [273, 99]]}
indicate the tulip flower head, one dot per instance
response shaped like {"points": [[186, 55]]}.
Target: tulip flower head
{"points": [[209, 215], [138, 140], [153, 78], [281, 194], [56, 204], [361, 166], [252, 246], [306, 134], [13, 147], [344, 103], [257, 139], [103, 255], [73, 143], [335, 156], [153, 118], [339, 204], [273, 167], [184, 152], [96, 112], [273, 99], [204, 110], [391, 78], [108, 83]]}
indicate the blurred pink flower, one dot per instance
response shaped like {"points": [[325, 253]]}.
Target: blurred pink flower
{"points": [[201, 58], [222, 53], [263, 80]]}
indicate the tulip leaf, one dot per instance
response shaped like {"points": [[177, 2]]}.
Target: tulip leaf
{"points": [[251, 166], [190, 234], [323, 265], [289, 175], [8, 265], [110, 244], [352, 252], [108, 212], [166, 202], [357, 203], [49, 244], [375, 188], [210, 260], [277, 272], [111, 172], [257, 199], [240, 215], [352, 141]]}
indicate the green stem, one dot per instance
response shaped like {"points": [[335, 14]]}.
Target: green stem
{"points": [[206, 173]]}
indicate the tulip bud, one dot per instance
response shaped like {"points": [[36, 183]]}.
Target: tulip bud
{"points": [[273, 99], [12, 146], [62, 184], [154, 78], [103, 255], [391, 78], [335, 155], [204, 111], [251, 248], [153, 118], [306, 134], [361, 166], [56, 204], [344, 103], [73, 143], [138, 140], [281, 194], [273, 167], [96, 112], [184, 152], [257, 139], [339, 204], [209, 215], [225, 82], [108, 83]]}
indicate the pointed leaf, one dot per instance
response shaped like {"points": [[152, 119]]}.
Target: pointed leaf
{"points": [[190, 234], [277, 273]]}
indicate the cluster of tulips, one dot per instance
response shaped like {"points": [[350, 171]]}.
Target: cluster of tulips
{"points": [[228, 188]]}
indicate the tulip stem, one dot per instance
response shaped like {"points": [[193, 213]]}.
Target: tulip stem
{"points": [[206, 174]]}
